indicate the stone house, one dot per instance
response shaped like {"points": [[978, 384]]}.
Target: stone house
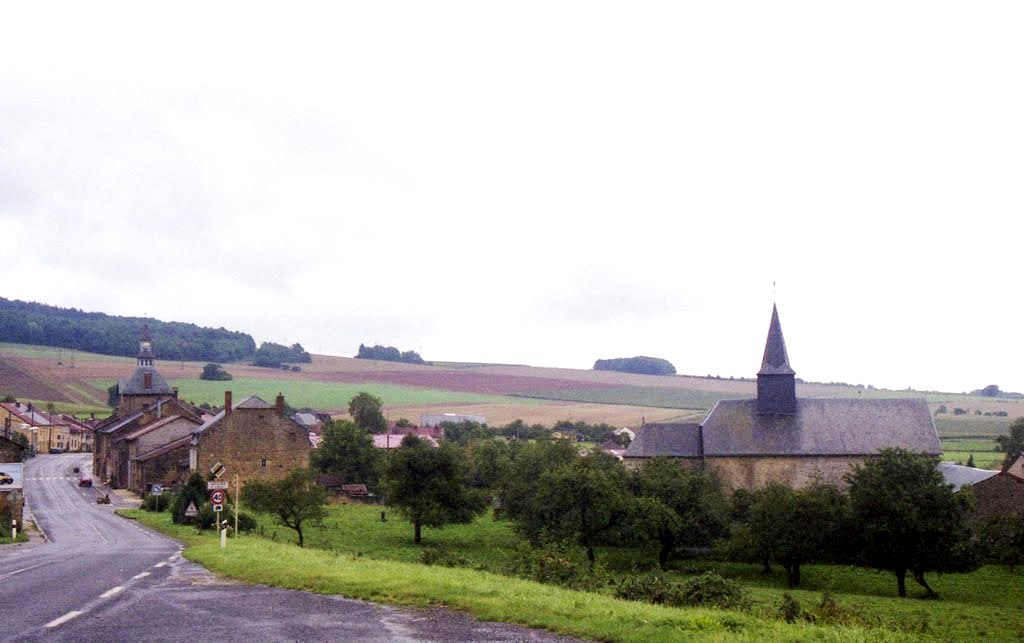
{"points": [[251, 439], [779, 438], [1001, 494]]}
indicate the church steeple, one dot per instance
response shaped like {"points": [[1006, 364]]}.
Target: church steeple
{"points": [[776, 381], [145, 347]]}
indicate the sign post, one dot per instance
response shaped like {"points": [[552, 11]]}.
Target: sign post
{"points": [[217, 498], [157, 490], [238, 501], [14, 529]]}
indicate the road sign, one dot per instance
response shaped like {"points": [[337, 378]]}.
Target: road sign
{"points": [[218, 470], [218, 508], [156, 490], [217, 497], [210, 486], [191, 510]]}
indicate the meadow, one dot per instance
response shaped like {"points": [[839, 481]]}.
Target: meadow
{"points": [[353, 553]]}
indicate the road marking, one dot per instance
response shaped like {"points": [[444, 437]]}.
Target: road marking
{"points": [[112, 591], [24, 569], [160, 564], [64, 619], [141, 575]]}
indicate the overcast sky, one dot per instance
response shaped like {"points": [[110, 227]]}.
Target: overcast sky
{"points": [[544, 183]]}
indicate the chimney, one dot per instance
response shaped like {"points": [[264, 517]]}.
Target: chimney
{"points": [[227, 402], [280, 404], [174, 392], [159, 408]]}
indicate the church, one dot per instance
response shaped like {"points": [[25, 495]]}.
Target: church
{"points": [[777, 437]]}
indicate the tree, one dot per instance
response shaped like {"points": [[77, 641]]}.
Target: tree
{"points": [[294, 500], [113, 397], [640, 364], [1013, 443], [347, 451], [677, 506], [908, 518], [792, 527], [194, 492], [429, 486], [365, 409], [214, 372], [970, 460], [579, 500], [463, 432]]}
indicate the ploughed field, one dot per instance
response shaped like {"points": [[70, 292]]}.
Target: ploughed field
{"points": [[78, 381]]}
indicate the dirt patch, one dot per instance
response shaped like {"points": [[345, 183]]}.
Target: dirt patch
{"points": [[15, 381]]}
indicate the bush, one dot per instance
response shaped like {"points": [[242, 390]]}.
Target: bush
{"points": [[561, 563], [442, 557], [710, 589], [650, 589], [789, 609], [246, 522], [151, 502]]}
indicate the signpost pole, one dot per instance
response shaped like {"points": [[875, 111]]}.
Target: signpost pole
{"points": [[238, 501], [14, 528]]}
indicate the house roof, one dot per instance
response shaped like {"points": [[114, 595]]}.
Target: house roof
{"points": [[960, 476], [670, 439], [136, 384], [821, 426], [305, 419], [776, 360], [146, 428], [33, 417], [159, 451], [251, 402]]}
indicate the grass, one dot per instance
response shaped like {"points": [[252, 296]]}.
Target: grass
{"points": [[50, 352], [669, 398], [950, 425], [5, 537], [78, 410], [321, 395], [485, 595], [987, 603], [983, 450]]}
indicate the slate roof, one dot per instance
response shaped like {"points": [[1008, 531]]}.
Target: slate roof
{"points": [[776, 360], [821, 426], [170, 446], [960, 476], [136, 384], [671, 440], [146, 428]]}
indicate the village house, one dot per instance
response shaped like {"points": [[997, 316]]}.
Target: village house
{"points": [[12, 500], [45, 432], [251, 439], [780, 438]]}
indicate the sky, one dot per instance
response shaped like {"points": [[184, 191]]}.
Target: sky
{"points": [[544, 183]]}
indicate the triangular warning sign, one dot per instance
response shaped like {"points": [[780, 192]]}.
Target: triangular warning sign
{"points": [[191, 510]]}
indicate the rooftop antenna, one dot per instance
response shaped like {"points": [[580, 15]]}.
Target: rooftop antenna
{"points": [[774, 294]]}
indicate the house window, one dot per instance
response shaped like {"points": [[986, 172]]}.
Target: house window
{"points": [[263, 463]]}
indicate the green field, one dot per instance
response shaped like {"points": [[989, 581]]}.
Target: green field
{"points": [[950, 425], [983, 450], [354, 554], [49, 352], [320, 395], [667, 398]]}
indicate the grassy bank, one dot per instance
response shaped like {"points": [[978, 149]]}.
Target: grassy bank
{"points": [[485, 595], [354, 554]]}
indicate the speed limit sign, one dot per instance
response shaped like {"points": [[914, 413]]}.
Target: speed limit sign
{"points": [[217, 497]]}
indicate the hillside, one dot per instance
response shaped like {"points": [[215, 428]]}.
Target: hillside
{"points": [[501, 393], [70, 328]]}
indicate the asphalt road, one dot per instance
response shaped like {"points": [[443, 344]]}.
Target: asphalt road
{"points": [[101, 577]]}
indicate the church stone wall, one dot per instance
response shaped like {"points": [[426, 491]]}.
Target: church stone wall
{"points": [[793, 471]]}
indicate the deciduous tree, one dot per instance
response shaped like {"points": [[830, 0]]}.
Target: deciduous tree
{"points": [[347, 451], [429, 486], [367, 412], [908, 518], [294, 501]]}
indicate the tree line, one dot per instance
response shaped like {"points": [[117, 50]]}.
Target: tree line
{"points": [[388, 354], [895, 512], [640, 364], [271, 355], [33, 323]]}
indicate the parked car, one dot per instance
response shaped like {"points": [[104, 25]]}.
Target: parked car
{"points": [[56, 451], [6, 478], [85, 481]]}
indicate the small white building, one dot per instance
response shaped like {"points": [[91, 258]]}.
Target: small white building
{"points": [[438, 419]]}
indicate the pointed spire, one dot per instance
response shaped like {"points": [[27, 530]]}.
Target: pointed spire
{"points": [[776, 361], [145, 335]]}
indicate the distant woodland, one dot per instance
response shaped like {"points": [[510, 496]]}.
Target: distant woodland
{"points": [[640, 364], [273, 355], [31, 323], [388, 354]]}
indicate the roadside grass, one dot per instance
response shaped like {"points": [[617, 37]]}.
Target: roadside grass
{"points": [[485, 595], [5, 537], [986, 603]]}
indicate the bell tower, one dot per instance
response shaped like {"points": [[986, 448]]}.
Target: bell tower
{"points": [[776, 381], [145, 347]]}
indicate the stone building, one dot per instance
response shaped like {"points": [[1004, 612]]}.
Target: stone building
{"points": [[1001, 494], [251, 439], [780, 438]]}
